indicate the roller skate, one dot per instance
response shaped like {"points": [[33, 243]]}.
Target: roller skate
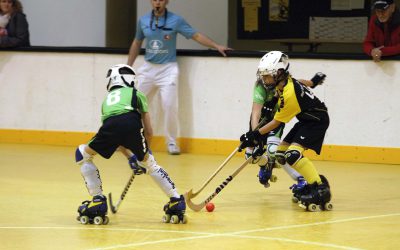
{"points": [[93, 212], [175, 211], [265, 174], [318, 196], [299, 189]]}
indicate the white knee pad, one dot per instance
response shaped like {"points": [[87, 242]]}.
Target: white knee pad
{"points": [[81, 156], [272, 146], [92, 179], [150, 164]]}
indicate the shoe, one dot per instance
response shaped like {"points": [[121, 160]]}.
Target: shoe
{"points": [[173, 149]]}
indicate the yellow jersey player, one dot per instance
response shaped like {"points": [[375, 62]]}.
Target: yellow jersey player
{"points": [[295, 100]]}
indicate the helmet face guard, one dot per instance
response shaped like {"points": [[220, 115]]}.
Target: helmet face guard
{"points": [[275, 64], [121, 75]]}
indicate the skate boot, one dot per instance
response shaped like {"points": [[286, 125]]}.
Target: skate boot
{"points": [[175, 211], [318, 195], [93, 211], [299, 189], [265, 174]]}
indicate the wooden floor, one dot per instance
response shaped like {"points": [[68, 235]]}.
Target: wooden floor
{"points": [[41, 188]]}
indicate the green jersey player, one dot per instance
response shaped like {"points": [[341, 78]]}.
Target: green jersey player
{"points": [[126, 124]]}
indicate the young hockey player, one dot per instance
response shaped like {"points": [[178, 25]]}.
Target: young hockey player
{"points": [[295, 99], [263, 109], [125, 119]]}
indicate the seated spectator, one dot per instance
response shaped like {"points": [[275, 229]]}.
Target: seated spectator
{"points": [[383, 36], [13, 25]]}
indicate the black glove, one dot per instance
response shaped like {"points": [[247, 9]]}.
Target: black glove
{"points": [[134, 164], [318, 79], [250, 139], [268, 108], [259, 150]]}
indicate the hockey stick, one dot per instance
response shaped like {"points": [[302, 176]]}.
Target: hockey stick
{"points": [[198, 207], [191, 194], [113, 208]]}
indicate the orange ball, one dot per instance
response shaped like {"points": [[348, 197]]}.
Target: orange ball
{"points": [[210, 207]]}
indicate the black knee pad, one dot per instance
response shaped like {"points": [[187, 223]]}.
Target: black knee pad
{"points": [[293, 156], [280, 157]]}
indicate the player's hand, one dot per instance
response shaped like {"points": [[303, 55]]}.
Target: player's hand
{"points": [[134, 164], [318, 79], [250, 139], [259, 150], [268, 108]]}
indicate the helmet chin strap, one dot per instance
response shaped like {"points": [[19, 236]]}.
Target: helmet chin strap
{"points": [[127, 83]]}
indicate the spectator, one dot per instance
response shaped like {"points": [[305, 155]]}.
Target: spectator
{"points": [[383, 36], [15, 32], [160, 71]]}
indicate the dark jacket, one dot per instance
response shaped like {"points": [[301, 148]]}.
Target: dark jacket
{"points": [[18, 33]]}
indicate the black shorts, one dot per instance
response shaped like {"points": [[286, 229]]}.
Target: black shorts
{"points": [[309, 134], [122, 130]]}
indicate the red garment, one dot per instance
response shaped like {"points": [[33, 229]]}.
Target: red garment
{"points": [[383, 34]]}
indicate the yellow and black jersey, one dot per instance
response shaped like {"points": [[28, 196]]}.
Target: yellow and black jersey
{"points": [[298, 100]]}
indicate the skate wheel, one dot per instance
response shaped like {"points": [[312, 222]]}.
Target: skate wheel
{"points": [[166, 218], [174, 219], [84, 219], [328, 206], [294, 199], [184, 219], [106, 220], [273, 178], [98, 220], [312, 207]]}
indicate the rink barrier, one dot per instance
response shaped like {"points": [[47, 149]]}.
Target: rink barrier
{"points": [[344, 153]]}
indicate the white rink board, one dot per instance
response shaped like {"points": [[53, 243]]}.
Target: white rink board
{"points": [[63, 91]]}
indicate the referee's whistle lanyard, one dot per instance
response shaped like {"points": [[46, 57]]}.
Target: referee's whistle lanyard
{"points": [[156, 24]]}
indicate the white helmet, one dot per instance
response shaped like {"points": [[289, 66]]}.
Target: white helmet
{"points": [[272, 63], [121, 75]]}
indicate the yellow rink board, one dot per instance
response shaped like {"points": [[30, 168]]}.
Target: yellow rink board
{"points": [[41, 188], [204, 146]]}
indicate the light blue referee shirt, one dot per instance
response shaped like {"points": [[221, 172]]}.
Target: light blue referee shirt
{"points": [[161, 42]]}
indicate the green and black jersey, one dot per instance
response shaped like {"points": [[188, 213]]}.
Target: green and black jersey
{"points": [[123, 100]]}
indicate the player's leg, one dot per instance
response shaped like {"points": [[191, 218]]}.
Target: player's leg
{"points": [[317, 192], [267, 162], [176, 206], [168, 84], [84, 156], [294, 157], [93, 211], [146, 160]]}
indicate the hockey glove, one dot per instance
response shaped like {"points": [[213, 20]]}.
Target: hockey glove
{"points": [[134, 164], [268, 108], [318, 79], [250, 139]]}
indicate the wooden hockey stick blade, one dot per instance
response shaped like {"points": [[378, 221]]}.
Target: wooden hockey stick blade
{"points": [[198, 207], [113, 209], [190, 194]]}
